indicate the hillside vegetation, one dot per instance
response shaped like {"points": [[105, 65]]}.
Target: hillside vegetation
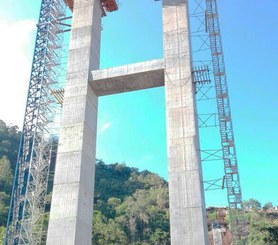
{"points": [[131, 206]]}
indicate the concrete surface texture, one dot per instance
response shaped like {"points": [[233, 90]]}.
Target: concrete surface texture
{"points": [[186, 195], [72, 202], [149, 74]]}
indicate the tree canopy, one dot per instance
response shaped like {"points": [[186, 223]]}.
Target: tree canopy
{"points": [[131, 207], [9, 142]]}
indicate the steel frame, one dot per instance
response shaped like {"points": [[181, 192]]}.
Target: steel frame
{"points": [[225, 122], [214, 184], [25, 219], [208, 52]]}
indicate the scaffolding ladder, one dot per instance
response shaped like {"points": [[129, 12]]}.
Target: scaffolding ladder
{"points": [[225, 123], [26, 214], [208, 61]]}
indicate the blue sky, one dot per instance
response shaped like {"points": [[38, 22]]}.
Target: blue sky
{"points": [[131, 126]]}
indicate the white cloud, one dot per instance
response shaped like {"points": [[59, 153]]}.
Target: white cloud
{"points": [[16, 48], [105, 126]]}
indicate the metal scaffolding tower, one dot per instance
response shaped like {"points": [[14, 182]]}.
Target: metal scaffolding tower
{"points": [[208, 60], [25, 219], [45, 96], [225, 122]]}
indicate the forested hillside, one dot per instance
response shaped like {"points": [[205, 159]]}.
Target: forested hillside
{"points": [[9, 141], [131, 206]]}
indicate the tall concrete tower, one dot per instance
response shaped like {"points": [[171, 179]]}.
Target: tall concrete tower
{"points": [[72, 202]]}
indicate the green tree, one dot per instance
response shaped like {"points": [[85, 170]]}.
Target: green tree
{"points": [[257, 221], [45, 220], [268, 206], [4, 208], [6, 176], [107, 231], [251, 204], [143, 213], [272, 235], [160, 237], [131, 207], [2, 235], [9, 142], [212, 215], [114, 202]]}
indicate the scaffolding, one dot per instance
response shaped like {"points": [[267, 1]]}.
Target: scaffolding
{"points": [[26, 222], [45, 97], [208, 61], [40, 129]]}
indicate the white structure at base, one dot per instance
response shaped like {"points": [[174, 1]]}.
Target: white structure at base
{"points": [[217, 236]]}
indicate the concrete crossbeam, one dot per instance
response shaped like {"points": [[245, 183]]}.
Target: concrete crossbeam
{"points": [[143, 75], [70, 220]]}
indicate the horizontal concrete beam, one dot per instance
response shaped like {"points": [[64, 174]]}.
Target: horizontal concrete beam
{"points": [[149, 74]]}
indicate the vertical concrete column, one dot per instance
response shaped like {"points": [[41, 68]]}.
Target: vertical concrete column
{"points": [[187, 206], [72, 201]]}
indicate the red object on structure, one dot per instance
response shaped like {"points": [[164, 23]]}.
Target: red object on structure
{"points": [[108, 5], [70, 4]]}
